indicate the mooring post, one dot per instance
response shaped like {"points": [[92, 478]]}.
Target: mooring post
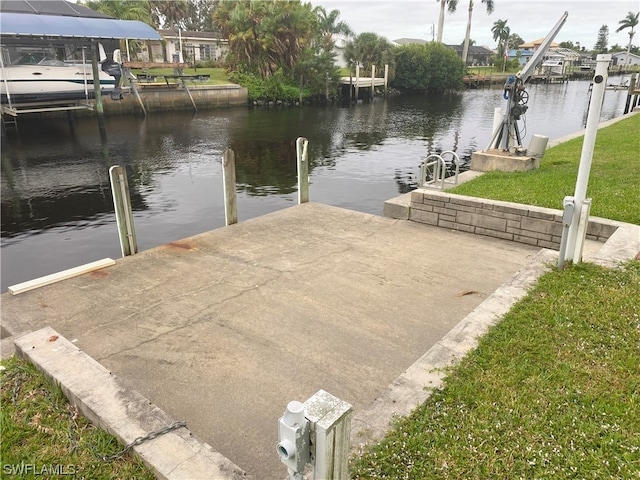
{"points": [[386, 78], [229, 187], [124, 215], [303, 169], [631, 91], [373, 81], [357, 80]]}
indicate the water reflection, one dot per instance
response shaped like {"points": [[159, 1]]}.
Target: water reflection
{"points": [[57, 210]]}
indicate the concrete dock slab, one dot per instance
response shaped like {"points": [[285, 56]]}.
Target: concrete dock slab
{"points": [[223, 329]]}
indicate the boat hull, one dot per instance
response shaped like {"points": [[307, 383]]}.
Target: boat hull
{"points": [[38, 83]]}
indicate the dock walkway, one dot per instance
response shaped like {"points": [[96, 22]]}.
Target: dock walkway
{"points": [[223, 329]]}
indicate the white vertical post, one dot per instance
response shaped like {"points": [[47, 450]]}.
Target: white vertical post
{"points": [[373, 80], [122, 204], [330, 420], [583, 224], [386, 78], [574, 245], [229, 187], [303, 169], [357, 80]]}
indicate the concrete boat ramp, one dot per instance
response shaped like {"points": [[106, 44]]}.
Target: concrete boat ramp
{"points": [[223, 329]]}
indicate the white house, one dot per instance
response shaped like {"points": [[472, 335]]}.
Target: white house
{"points": [[621, 59], [196, 46]]}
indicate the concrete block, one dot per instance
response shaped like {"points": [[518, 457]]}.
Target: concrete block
{"points": [[494, 233], [623, 245], [422, 206], [541, 226], [511, 208], [513, 224], [498, 160], [463, 208], [444, 211], [525, 239], [421, 216], [417, 196], [398, 207], [483, 221], [447, 224], [548, 244], [466, 201], [544, 213], [436, 203], [601, 228], [465, 228]]}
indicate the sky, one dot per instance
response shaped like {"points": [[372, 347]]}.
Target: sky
{"points": [[531, 20]]}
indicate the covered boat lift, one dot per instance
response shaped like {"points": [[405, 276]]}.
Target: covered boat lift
{"points": [[40, 22]]}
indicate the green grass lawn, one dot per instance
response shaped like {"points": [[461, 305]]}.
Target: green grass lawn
{"points": [[43, 436], [217, 76], [614, 183], [552, 391]]}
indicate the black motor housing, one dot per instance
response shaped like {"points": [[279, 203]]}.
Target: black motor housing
{"points": [[113, 68]]}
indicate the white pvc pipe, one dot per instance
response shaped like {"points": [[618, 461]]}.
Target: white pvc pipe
{"points": [[593, 119]]}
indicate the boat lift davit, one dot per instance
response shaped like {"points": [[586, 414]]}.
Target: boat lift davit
{"points": [[517, 97]]}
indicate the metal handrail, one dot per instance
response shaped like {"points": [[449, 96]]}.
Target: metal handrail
{"points": [[437, 169]]}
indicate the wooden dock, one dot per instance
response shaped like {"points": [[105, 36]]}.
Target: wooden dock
{"points": [[357, 82]]}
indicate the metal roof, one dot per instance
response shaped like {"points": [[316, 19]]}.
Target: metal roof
{"points": [[49, 7], [54, 26], [59, 19]]}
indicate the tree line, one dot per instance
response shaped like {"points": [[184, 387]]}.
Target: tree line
{"points": [[276, 45]]}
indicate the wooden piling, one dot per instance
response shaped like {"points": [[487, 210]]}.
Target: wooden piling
{"points": [[124, 215], [303, 169], [229, 187]]}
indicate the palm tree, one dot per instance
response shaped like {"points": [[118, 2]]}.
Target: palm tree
{"points": [[174, 12], [265, 36], [123, 9], [501, 34], [328, 27], [369, 49], [452, 4], [465, 48], [630, 21]]}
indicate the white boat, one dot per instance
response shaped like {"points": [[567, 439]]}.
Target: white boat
{"points": [[554, 65], [37, 78]]}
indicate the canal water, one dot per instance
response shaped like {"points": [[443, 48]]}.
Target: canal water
{"points": [[57, 211]]}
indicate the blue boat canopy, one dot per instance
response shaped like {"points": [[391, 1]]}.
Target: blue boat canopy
{"points": [[20, 25]]}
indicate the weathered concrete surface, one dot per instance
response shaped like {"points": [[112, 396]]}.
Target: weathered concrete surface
{"points": [[414, 386], [223, 329], [490, 160], [175, 455]]}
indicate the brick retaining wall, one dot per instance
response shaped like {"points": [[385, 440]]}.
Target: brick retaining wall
{"points": [[537, 226]]}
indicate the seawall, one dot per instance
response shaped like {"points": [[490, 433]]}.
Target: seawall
{"points": [[164, 98]]}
